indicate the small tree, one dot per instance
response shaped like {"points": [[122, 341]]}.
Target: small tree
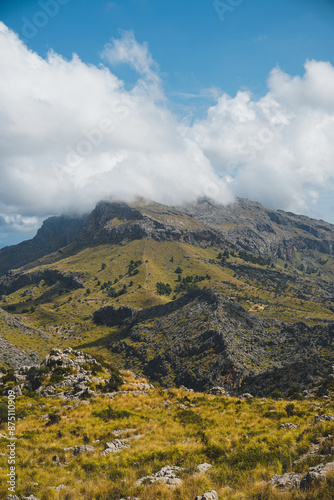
{"points": [[103, 266]]}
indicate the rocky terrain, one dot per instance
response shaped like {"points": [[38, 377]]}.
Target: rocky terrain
{"points": [[69, 375], [272, 233], [13, 281], [204, 339]]}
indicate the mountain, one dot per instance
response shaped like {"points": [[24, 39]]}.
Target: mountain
{"points": [[55, 233], [242, 225], [202, 295]]}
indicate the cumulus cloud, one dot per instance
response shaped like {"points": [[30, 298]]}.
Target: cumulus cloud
{"points": [[278, 149], [72, 134]]}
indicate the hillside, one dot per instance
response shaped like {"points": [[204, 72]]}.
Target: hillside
{"points": [[266, 279], [86, 431], [225, 317]]}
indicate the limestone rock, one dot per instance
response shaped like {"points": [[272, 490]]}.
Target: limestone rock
{"points": [[209, 495], [316, 475], [323, 418], [114, 446], [286, 481], [287, 425], [85, 448], [166, 474], [203, 467]]}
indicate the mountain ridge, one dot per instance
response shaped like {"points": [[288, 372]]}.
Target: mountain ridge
{"points": [[242, 224]]}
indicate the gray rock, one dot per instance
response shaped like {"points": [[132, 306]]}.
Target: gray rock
{"points": [[287, 425], [59, 488], [203, 467], [209, 495], [316, 475], [218, 391], [30, 497], [116, 445], [286, 481], [85, 448], [166, 474], [323, 418]]}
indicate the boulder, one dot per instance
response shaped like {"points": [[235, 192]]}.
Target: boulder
{"points": [[316, 475], [85, 448], [218, 391], [114, 446], [287, 481], [203, 467], [288, 425], [166, 475], [323, 418], [209, 495]]}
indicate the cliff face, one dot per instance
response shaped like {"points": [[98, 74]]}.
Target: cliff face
{"points": [[55, 233], [114, 223], [261, 231]]}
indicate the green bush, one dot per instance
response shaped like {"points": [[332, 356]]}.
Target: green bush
{"points": [[58, 374], [111, 414], [54, 418]]}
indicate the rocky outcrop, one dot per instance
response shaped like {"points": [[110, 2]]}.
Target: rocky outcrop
{"points": [[55, 233], [249, 225], [11, 355], [13, 281], [116, 445], [68, 374], [115, 223], [209, 495], [205, 340], [314, 476]]}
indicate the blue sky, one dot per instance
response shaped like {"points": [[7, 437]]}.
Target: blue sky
{"points": [[194, 47], [199, 51]]}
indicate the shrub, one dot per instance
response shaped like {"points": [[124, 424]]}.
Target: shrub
{"points": [[294, 393], [276, 394], [112, 384], [58, 374], [54, 418], [289, 409], [189, 417], [111, 414]]}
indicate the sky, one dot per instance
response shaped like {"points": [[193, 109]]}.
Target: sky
{"points": [[170, 100]]}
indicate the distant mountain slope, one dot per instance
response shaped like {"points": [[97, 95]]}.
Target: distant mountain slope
{"points": [[55, 233], [274, 233]]}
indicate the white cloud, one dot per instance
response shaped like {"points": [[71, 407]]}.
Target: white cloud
{"points": [[72, 134], [279, 149]]}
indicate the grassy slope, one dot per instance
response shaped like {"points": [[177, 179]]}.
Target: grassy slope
{"points": [[67, 318], [239, 438]]}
